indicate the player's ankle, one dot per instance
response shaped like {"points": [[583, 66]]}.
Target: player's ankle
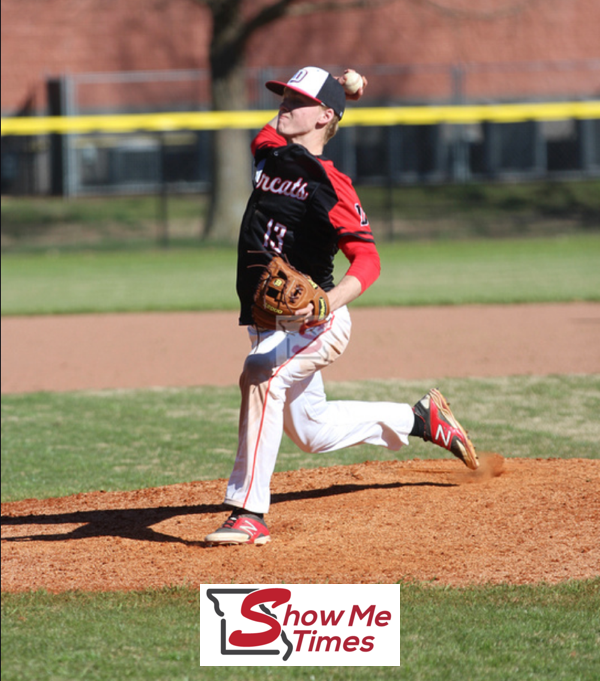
{"points": [[242, 511], [418, 429]]}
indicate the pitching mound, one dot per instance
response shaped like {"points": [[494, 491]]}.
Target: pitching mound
{"points": [[514, 520]]}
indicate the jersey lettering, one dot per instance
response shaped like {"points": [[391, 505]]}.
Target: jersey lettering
{"points": [[364, 221], [274, 236], [275, 185]]}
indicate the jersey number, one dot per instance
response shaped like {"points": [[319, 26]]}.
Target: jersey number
{"points": [[274, 236], [364, 221]]}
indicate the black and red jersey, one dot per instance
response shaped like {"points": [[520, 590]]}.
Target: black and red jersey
{"points": [[301, 207]]}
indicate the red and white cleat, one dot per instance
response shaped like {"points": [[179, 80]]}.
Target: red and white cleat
{"points": [[241, 529], [443, 429]]}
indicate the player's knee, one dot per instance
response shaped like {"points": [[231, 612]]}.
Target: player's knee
{"points": [[306, 446], [257, 369]]}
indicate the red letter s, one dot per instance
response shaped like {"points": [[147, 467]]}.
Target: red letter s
{"points": [[275, 596]]}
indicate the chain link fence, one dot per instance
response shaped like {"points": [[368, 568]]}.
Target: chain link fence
{"points": [[77, 165], [384, 158]]}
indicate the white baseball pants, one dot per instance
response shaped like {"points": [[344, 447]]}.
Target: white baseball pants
{"points": [[282, 390]]}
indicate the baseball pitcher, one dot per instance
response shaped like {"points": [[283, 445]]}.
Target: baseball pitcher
{"points": [[302, 211]]}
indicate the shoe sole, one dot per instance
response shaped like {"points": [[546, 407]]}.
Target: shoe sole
{"points": [[469, 454], [261, 541]]}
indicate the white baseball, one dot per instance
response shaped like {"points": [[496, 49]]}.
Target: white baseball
{"points": [[353, 82]]}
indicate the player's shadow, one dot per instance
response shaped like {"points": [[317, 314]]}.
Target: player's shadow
{"points": [[136, 523]]}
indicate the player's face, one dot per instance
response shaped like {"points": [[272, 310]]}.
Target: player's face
{"points": [[298, 115]]}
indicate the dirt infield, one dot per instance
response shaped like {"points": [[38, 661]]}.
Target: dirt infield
{"points": [[185, 349], [514, 520]]}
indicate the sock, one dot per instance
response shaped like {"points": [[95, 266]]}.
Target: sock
{"points": [[242, 511], [418, 429]]}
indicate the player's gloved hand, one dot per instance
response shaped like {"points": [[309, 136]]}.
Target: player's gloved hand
{"points": [[284, 293]]}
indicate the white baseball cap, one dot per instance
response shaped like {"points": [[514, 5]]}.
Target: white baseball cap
{"points": [[316, 84]]}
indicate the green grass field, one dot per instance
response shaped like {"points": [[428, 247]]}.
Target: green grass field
{"points": [[501, 633], [408, 212], [56, 444], [425, 273]]}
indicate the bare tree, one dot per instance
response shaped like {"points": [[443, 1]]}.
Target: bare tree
{"points": [[233, 24]]}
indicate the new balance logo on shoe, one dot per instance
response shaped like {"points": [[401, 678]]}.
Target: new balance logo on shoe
{"points": [[247, 526], [446, 436]]}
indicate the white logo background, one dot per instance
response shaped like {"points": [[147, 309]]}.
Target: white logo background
{"points": [[300, 625]]}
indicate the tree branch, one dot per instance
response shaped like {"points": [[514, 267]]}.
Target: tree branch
{"points": [[510, 7], [284, 8], [296, 8], [314, 7]]}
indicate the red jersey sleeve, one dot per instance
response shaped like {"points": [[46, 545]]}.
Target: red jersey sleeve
{"points": [[364, 260], [267, 138]]}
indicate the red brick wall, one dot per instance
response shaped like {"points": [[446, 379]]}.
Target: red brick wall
{"points": [[417, 31], [41, 38], [420, 32], [51, 37]]}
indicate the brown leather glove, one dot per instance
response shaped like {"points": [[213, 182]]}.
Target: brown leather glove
{"points": [[281, 291]]}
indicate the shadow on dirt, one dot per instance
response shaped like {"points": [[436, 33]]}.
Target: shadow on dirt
{"points": [[136, 523]]}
